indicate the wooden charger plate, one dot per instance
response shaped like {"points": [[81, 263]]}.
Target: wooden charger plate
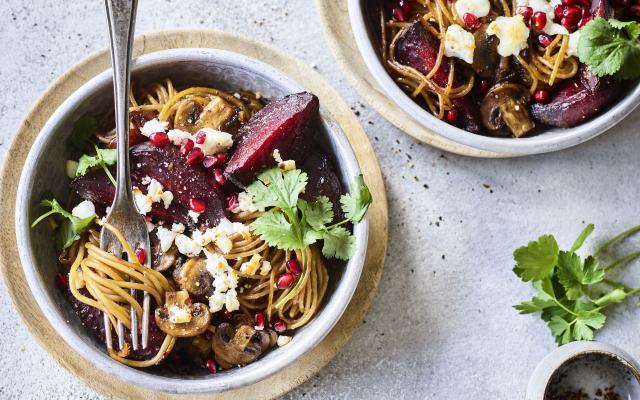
{"points": [[334, 16], [284, 380]]}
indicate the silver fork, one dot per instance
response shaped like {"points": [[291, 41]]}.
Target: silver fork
{"points": [[124, 215]]}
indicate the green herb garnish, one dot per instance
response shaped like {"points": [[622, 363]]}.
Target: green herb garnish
{"points": [[71, 228], [611, 47], [572, 292], [102, 159], [293, 223], [81, 132]]}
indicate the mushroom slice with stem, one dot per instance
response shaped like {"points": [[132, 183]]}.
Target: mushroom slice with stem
{"points": [[180, 318], [485, 56], [507, 104], [191, 116], [193, 277], [239, 343]]}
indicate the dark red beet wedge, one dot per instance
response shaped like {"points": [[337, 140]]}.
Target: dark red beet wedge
{"points": [[282, 124], [322, 181], [165, 165], [418, 48], [577, 99]]}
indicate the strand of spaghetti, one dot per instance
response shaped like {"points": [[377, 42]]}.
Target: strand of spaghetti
{"points": [[534, 79], [559, 58], [165, 348]]}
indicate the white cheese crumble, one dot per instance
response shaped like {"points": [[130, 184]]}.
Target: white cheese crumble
{"points": [[287, 165], [512, 32], [459, 43], [179, 315], [574, 38], [194, 216], [152, 126], [479, 8], [177, 136], [166, 238], [84, 209], [265, 268], [215, 141], [276, 155], [143, 202], [156, 193], [251, 267], [245, 203], [225, 282], [283, 340], [187, 246]]}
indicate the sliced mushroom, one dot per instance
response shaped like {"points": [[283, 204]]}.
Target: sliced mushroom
{"points": [[193, 277], [162, 261], [191, 116], [507, 104], [239, 343], [485, 56], [180, 318]]}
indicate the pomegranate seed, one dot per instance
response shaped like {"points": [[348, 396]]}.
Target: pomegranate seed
{"points": [[159, 139], [197, 205], [141, 255], [585, 21], [219, 177], [471, 21], [216, 160], [226, 314], [484, 85], [541, 95], [557, 11], [451, 115], [284, 281], [279, 325], [572, 12], [544, 40], [570, 23], [211, 366], [526, 12], [186, 147], [258, 320], [195, 156], [405, 5], [539, 20], [62, 280], [569, 2], [293, 266], [232, 201], [201, 137], [398, 14]]}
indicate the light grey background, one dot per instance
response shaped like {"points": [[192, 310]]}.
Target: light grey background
{"points": [[441, 325]]}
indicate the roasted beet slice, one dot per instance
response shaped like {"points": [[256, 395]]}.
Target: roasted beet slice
{"points": [[322, 181], [418, 48], [282, 124], [577, 99], [165, 165]]}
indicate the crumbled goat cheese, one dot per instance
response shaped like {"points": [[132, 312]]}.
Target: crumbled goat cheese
{"points": [[153, 126], [194, 216], [479, 8], [574, 38], [287, 165], [177, 228], [156, 193], [276, 155], [166, 238], [177, 136], [225, 282], [250, 267], [245, 203], [551, 28], [512, 32], [283, 340], [143, 202], [214, 142], [265, 268], [459, 43], [84, 209], [224, 244], [187, 246], [179, 315]]}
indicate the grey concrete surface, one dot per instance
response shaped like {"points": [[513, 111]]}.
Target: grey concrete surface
{"points": [[441, 325]]}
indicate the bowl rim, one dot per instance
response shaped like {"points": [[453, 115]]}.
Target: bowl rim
{"points": [[552, 139], [276, 360]]}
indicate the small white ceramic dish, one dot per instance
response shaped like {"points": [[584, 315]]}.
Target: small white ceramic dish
{"points": [[44, 171], [586, 366], [550, 140]]}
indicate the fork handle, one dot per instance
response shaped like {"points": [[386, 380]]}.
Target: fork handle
{"points": [[122, 15]]}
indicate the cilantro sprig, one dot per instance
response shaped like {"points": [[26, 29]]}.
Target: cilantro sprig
{"points": [[611, 47], [292, 223], [572, 292], [103, 158], [72, 226]]}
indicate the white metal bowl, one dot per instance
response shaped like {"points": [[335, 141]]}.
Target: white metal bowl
{"points": [[44, 171], [549, 140]]}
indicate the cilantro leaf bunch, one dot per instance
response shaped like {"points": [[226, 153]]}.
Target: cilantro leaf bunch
{"points": [[571, 291], [103, 158], [72, 227]]}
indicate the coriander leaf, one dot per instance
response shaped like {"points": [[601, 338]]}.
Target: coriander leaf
{"points": [[103, 158], [560, 329], [356, 203], [610, 48], [586, 322], [66, 236], [71, 228], [82, 130], [573, 274], [582, 237], [310, 236], [338, 243], [536, 304], [536, 260], [275, 188], [632, 28], [109, 156], [317, 214], [273, 228], [613, 297]]}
